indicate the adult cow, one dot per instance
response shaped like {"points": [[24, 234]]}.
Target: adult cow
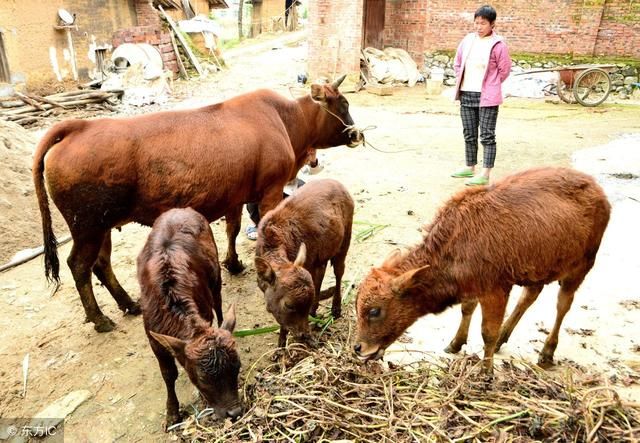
{"points": [[105, 173]]}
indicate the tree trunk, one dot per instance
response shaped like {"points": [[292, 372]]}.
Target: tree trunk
{"points": [[240, 4]]}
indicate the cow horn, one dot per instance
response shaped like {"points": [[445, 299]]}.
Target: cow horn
{"points": [[338, 81]]}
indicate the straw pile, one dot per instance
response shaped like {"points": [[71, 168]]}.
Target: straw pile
{"points": [[326, 395]]}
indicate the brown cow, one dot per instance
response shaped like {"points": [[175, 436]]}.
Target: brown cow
{"points": [[105, 173], [180, 284], [296, 240], [529, 229]]}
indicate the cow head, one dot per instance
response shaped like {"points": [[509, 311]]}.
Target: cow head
{"points": [[289, 292], [386, 306], [212, 364], [336, 122]]}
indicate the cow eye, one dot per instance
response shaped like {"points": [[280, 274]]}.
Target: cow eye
{"points": [[374, 312]]}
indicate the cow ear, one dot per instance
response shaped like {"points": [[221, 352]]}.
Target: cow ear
{"points": [[172, 344], [265, 271], [408, 280], [229, 322], [393, 258], [317, 92], [302, 255]]}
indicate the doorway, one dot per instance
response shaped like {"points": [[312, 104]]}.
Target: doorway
{"points": [[373, 26], [5, 74]]}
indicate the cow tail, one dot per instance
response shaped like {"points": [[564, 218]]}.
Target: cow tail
{"points": [[53, 136]]}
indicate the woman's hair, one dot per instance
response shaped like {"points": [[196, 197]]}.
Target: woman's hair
{"points": [[486, 12]]}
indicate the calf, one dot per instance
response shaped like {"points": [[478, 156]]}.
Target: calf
{"points": [[529, 229], [180, 284], [296, 240]]}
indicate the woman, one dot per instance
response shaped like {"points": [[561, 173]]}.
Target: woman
{"points": [[482, 64]]}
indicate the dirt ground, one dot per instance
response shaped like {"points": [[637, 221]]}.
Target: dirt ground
{"points": [[400, 184]]}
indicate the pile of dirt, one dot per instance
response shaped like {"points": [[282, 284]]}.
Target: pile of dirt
{"points": [[19, 213]]}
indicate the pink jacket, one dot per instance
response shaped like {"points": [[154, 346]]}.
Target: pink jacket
{"points": [[497, 72]]}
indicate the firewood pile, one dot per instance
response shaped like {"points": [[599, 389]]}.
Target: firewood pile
{"points": [[26, 108]]}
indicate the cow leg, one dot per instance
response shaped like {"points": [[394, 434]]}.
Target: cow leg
{"points": [[104, 272], [84, 254], [493, 307], [233, 218], [568, 288], [338, 271], [463, 330], [529, 295], [169, 372], [215, 287], [317, 276]]}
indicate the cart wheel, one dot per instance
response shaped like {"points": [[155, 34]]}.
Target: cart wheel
{"points": [[564, 92], [592, 87]]}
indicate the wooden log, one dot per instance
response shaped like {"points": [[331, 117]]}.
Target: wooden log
{"points": [[192, 58], [46, 100], [28, 100], [26, 109], [11, 103]]}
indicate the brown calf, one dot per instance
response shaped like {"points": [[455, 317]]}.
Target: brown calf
{"points": [[107, 172], [529, 229], [180, 284], [296, 240]]}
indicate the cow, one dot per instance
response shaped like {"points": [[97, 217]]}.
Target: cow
{"points": [[295, 242], [105, 173], [529, 229], [180, 284]]}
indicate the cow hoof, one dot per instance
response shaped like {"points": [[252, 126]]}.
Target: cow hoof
{"points": [[336, 313], [132, 309], [104, 324], [545, 362], [453, 348], [234, 267], [170, 420]]}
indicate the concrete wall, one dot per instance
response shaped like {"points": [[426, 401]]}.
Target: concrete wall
{"points": [[36, 50]]}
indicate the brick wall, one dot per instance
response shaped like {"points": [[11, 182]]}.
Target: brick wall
{"points": [[619, 33], [579, 27], [150, 30], [335, 30]]}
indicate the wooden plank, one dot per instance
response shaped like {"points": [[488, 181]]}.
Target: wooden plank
{"points": [[183, 71], [185, 45], [379, 89]]}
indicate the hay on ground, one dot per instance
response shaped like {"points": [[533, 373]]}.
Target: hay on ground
{"points": [[326, 394]]}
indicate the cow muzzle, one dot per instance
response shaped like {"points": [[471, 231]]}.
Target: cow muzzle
{"points": [[365, 353], [356, 137]]}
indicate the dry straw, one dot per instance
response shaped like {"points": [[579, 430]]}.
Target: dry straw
{"points": [[325, 394]]}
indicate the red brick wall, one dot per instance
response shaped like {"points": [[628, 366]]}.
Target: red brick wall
{"points": [[150, 30], [146, 14], [619, 33], [580, 27], [335, 37]]}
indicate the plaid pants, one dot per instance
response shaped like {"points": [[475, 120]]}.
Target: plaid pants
{"points": [[474, 117]]}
